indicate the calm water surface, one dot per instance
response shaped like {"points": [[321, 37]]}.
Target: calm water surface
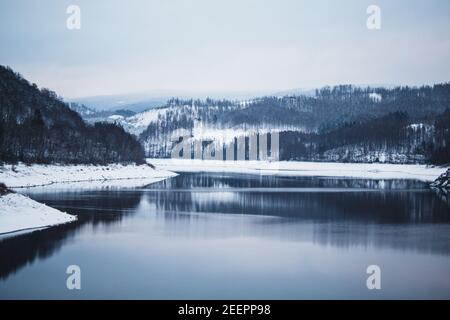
{"points": [[215, 236]]}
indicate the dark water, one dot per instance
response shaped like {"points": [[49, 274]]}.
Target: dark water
{"points": [[237, 236]]}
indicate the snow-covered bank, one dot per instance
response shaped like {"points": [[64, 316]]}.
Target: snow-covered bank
{"points": [[91, 185], [22, 176], [18, 213], [294, 168]]}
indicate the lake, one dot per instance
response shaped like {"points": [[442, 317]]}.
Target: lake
{"points": [[237, 236]]}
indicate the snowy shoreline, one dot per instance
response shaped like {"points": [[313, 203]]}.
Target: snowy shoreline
{"points": [[294, 168], [20, 213], [23, 176]]}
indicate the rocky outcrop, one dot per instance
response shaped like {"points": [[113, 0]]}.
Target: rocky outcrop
{"points": [[442, 186], [443, 182], [3, 189]]}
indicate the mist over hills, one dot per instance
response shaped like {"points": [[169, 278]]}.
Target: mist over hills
{"points": [[138, 102], [134, 102]]}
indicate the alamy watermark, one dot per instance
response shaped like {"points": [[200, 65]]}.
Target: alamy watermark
{"points": [[253, 147], [374, 280], [73, 281], [73, 22], [374, 20]]}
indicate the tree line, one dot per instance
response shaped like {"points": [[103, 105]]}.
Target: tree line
{"points": [[36, 126], [390, 138]]}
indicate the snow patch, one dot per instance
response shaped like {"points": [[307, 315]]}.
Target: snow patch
{"points": [[18, 212], [376, 97], [115, 117]]}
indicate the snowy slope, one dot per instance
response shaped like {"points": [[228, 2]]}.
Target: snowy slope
{"points": [[138, 123], [202, 121], [18, 212]]}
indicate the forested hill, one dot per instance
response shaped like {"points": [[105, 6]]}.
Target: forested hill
{"points": [[38, 127], [392, 138]]}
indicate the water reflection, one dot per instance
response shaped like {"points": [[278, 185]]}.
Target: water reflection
{"points": [[351, 200], [220, 181], [94, 209], [196, 209]]}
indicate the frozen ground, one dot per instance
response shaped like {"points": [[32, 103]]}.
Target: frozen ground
{"points": [[18, 213], [294, 168], [22, 176]]}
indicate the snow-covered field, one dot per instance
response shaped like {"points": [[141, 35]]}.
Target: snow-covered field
{"points": [[22, 176], [294, 168], [18, 213]]}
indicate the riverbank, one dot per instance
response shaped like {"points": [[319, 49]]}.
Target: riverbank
{"points": [[18, 212], [23, 176], [295, 168]]}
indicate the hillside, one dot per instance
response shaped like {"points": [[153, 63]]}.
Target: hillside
{"points": [[392, 138], [343, 123], [38, 127]]}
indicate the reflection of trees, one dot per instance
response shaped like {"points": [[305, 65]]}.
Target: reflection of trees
{"points": [[233, 180], [416, 237], [392, 213], [96, 208], [378, 213], [25, 249], [368, 201], [444, 195]]}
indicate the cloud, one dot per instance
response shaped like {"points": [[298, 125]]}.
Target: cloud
{"points": [[230, 45]]}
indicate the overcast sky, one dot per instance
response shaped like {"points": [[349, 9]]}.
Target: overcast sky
{"points": [[229, 45]]}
